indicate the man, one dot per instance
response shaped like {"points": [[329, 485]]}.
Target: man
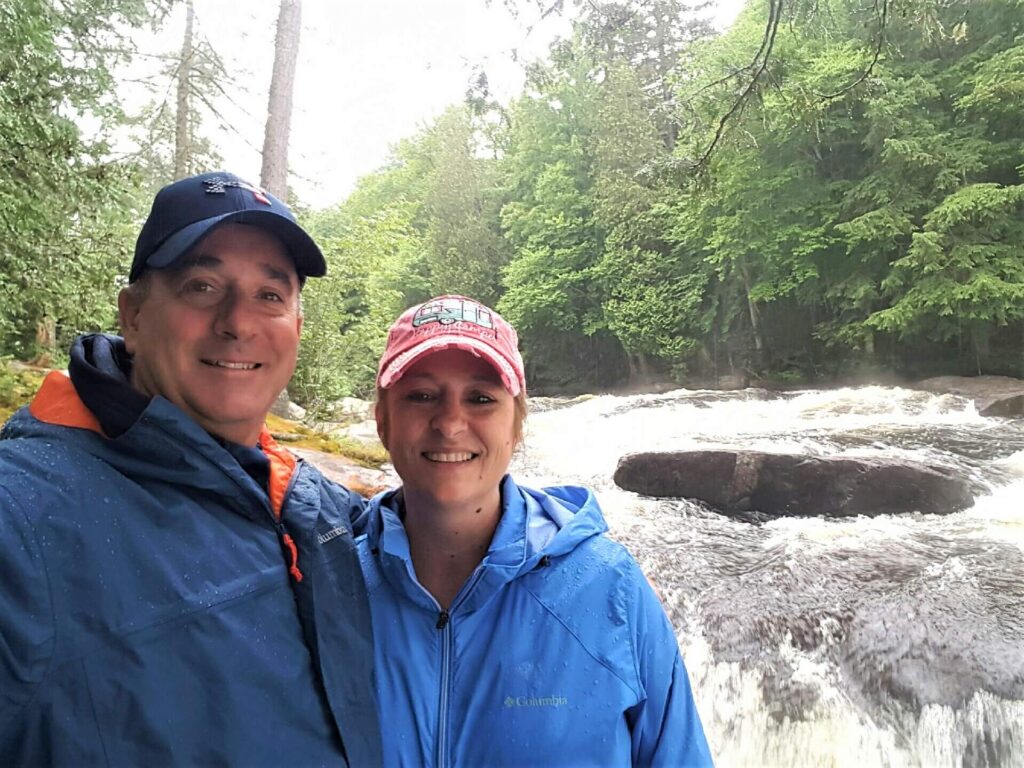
{"points": [[176, 589]]}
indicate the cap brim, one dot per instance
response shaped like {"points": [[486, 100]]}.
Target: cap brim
{"points": [[309, 261], [398, 365]]}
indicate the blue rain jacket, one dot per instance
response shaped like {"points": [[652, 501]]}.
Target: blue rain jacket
{"points": [[151, 612], [556, 652]]}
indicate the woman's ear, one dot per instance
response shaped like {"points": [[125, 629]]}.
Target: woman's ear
{"points": [[380, 414]]}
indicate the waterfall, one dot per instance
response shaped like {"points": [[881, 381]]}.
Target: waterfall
{"points": [[884, 641]]}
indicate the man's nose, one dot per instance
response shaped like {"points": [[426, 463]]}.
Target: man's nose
{"points": [[234, 316]]}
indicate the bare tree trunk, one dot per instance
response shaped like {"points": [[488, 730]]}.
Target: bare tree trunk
{"points": [[183, 117], [755, 319], [46, 341], [274, 174]]}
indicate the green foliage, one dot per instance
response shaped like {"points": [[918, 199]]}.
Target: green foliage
{"points": [[552, 294], [843, 188], [460, 203], [964, 270], [348, 313], [850, 193], [66, 214], [424, 225], [16, 387]]}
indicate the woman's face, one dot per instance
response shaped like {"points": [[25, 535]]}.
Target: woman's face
{"points": [[450, 426]]}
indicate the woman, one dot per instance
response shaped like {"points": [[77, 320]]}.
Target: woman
{"points": [[509, 630]]}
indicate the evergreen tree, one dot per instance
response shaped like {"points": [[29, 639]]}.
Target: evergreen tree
{"points": [[66, 212]]}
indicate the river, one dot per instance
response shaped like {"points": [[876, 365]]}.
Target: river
{"points": [[887, 641]]}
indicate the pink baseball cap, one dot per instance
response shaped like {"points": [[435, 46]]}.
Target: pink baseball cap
{"points": [[452, 322]]}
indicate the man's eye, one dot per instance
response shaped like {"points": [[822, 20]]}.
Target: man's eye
{"points": [[271, 296], [198, 286]]}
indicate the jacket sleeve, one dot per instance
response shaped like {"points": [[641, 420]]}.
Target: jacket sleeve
{"points": [[350, 505], [665, 726], [26, 620]]}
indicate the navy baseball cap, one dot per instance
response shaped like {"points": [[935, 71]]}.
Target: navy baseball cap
{"points": [[185, 211]]}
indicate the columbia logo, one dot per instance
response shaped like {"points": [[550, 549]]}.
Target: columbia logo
{"points": [[334, 533], [512, 702]]}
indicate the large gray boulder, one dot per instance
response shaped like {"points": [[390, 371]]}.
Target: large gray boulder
{"points": [[284, 408], [992, 395], [782, 485]]}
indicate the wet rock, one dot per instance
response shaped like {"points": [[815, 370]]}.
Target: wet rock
{"points": [[783, 485], [992, 395], [362, 480], [943, 647], [286, 409], [352, 409]]}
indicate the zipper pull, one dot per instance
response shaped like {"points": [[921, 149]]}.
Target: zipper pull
{"points": [[293, 553], [442, 620]]}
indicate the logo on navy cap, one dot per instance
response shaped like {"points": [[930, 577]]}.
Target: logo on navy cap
{"points": [[218, 186]]}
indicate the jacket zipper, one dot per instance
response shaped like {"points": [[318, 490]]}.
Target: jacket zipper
{"points": [[444, 624]]}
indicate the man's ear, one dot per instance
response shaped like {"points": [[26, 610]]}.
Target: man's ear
{"points": [[128, 306]]}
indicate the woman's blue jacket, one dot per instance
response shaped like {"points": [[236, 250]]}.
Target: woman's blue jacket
{"points": [[556, 652]]}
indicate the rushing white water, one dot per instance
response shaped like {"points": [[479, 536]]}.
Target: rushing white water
{"points": [[888, 641]]}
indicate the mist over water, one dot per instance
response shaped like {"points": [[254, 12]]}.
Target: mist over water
{"points": [[889, 641]]}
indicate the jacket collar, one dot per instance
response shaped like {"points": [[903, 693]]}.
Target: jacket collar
{"points": [[533, 524]]}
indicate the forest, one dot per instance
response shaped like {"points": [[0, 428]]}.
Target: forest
{"points": [[827, 191]]}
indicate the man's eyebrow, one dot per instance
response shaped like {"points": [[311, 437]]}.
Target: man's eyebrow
{"points": [[199, 260], [278, 275], [208, 261]]}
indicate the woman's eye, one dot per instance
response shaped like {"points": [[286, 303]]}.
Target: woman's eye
{"points": [[482, 399]]}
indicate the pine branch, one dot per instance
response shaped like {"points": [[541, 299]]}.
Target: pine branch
{"points": [[764, 54], [880, 42]]}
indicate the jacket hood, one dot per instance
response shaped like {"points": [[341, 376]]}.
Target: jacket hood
{"points": [[534, 525], [101, 369]]}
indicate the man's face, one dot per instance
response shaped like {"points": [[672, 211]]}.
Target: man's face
{"points": [[218, 333]]}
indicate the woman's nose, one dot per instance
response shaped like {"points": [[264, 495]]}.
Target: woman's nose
{"points": [[450, 419]]}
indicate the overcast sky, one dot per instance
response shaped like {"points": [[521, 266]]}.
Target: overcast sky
{"points": [[369, 74]]}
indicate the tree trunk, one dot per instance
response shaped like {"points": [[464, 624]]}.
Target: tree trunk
{"points": [[274, 175], [634, 373], [46, 341], [183, 118], [755, 319]]}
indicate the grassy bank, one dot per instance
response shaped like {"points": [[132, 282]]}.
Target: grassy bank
{"points": [[293, 433], [17, 386]]}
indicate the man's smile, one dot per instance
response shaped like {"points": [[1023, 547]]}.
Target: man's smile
{"points": [[231, 365]]}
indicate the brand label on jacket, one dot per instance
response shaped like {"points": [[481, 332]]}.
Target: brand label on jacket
{"points": [[535, 701], [323, 538]]}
